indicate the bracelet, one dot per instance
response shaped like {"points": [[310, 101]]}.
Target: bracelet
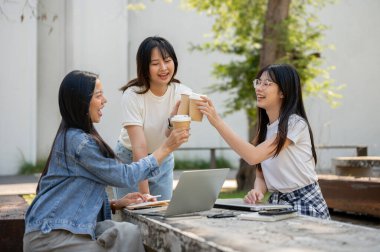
{"points": [[170, 126]]}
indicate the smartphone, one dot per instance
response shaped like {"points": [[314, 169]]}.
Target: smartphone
{"points": [[277, 211], [221, 215]]}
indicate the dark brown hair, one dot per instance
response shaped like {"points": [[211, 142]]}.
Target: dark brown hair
{"points": [[143, 58]]}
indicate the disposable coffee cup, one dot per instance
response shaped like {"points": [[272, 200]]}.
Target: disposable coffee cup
{"points": [[184, 105], [194, 112], [181, 121]]}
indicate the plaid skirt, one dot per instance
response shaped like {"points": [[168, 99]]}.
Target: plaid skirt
{"points": [[307, 200]]}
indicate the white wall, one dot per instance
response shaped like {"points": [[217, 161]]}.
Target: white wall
{"points": [[51, 70], [18, 88], [97, 41], [354, 30], [88, 35]]}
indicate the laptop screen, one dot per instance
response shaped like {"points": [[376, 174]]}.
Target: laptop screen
{"points": [[196, 191]]}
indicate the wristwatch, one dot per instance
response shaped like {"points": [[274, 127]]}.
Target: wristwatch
{"points": [[170, 126]]}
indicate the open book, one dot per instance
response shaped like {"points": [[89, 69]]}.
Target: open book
{"points": [[148, 204]]}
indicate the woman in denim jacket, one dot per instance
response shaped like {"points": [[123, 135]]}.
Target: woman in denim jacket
{"points": [[71, 209]]}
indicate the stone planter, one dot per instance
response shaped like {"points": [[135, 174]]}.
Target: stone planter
{"points": [[357, 166]]}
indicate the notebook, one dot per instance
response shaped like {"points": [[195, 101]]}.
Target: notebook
{"points": [[196, 191], [239, 204], [148, 204]]}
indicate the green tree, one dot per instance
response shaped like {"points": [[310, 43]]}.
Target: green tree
{"points": [[261, 32]]}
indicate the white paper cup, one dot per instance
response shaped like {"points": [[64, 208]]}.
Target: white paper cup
{"points": [[194, 112], [184, 105]]}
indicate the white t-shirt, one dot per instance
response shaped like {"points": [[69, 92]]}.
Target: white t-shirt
{"points": [[294, 167], [149, 111]]}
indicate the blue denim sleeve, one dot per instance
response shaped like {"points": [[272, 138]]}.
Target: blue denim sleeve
{"points": [[110, 171]]}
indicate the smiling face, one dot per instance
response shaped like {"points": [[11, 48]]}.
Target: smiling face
{"points": [[269, 97], [161, 69], [97, 102]]}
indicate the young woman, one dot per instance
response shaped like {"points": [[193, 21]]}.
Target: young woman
{"points": [[148, 101], [71, 205], [283, 148]]}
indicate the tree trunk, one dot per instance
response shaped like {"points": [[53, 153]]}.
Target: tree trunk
{"points": [[246, 175], [272, 49]]}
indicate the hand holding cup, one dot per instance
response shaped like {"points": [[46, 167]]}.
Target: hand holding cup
{"points": [[207, 108], [194, 112]]}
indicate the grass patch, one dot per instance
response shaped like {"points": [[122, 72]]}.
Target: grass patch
{"points": [[28, 168], [197, 163], [232, 194], [29, 198], [239, 194]]}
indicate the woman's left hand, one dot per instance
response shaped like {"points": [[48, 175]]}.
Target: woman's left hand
{"points": [[128, 199]]}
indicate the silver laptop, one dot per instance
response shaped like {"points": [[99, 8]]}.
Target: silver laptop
{"points": [[239, 204], [196, 191]]}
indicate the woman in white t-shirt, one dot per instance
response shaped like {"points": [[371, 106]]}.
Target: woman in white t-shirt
{"points": [[283, 148], [148, 101]]}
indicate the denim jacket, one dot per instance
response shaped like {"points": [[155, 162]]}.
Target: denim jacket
{"points": [[72, 193]]}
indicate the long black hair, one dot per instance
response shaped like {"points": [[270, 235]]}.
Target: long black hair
{"points": [[74, 98], [143, 58], [289, 83]]}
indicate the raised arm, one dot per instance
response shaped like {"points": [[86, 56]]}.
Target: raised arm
{"points": [[112, 172], [250, 153]]}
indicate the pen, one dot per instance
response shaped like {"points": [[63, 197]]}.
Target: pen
{"points": [[153, 196]]}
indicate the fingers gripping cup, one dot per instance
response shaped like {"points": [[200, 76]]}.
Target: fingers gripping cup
{"points": [[184, 105], [194, 112], [181, 121]]}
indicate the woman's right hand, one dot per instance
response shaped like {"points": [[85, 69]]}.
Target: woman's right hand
{"points": [[175, 139], [253, 196], [130, 198], [207, 107]]}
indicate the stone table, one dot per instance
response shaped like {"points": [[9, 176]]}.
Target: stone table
{"points": [[199, 233]]}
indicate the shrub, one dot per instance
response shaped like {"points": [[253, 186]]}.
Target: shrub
{"points": [[197, 163], [30, 168]]}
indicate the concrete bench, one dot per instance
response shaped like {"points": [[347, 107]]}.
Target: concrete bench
{"points": [[12, 212], [357, 166], [350, 194]]}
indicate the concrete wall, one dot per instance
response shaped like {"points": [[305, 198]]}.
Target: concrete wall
{"points": [[51, 69], [355, 34], [88, 35], [101, 36], [18, 87], [97, 42]]}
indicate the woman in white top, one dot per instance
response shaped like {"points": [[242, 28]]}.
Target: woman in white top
{"points": [[283, 148], [148, 101]]}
